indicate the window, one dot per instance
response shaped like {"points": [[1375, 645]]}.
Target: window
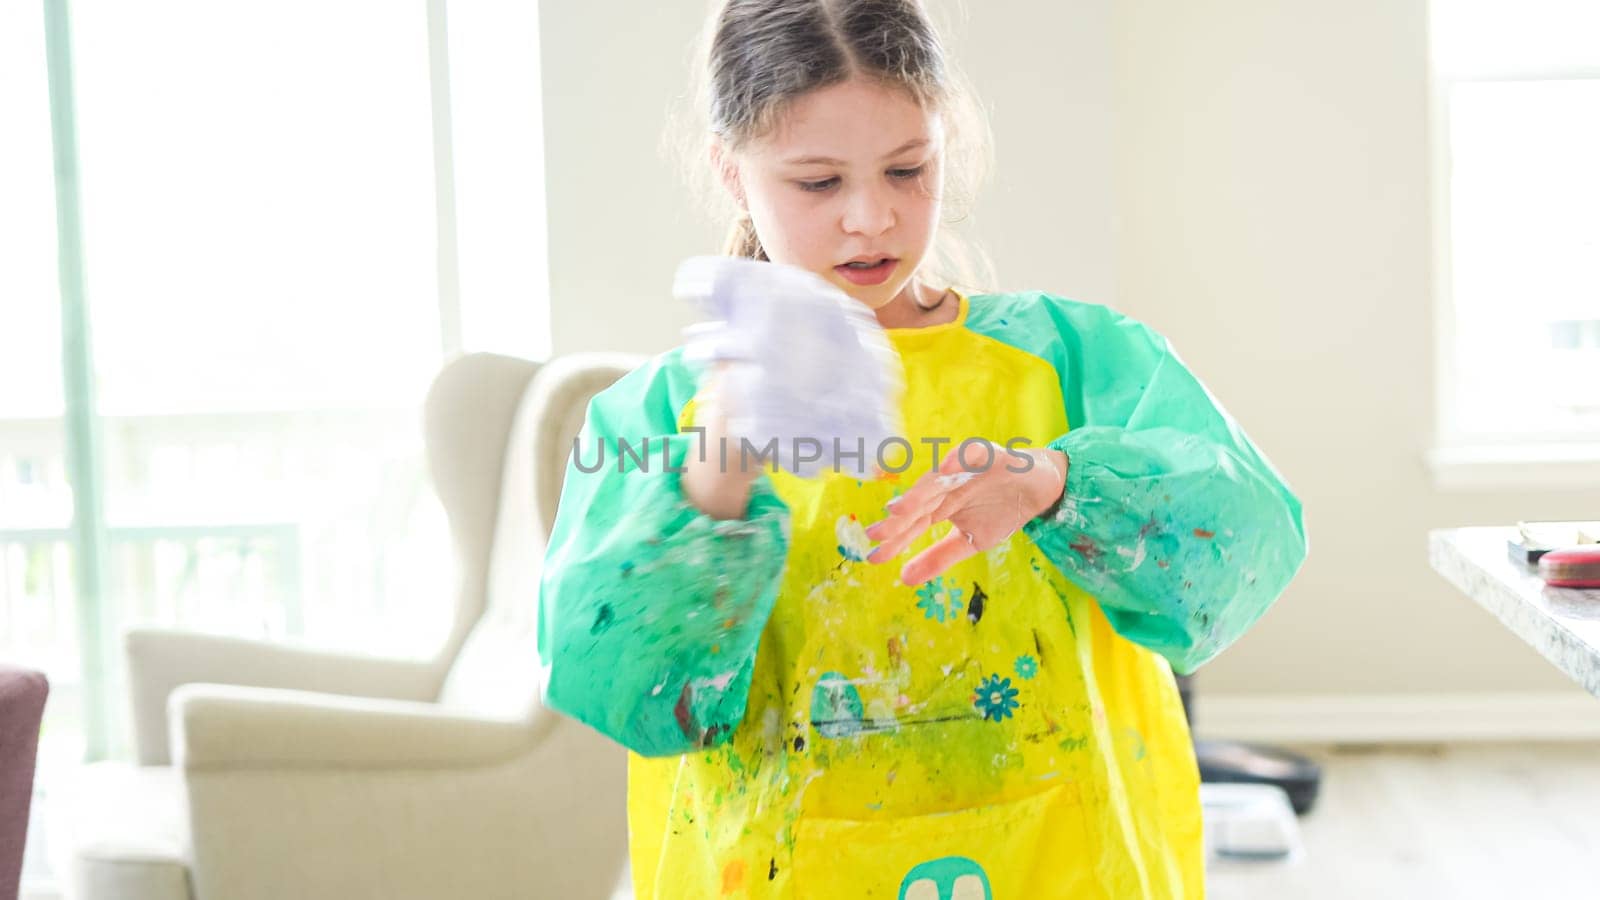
{"points": [[278, 254], [1517, 192]]}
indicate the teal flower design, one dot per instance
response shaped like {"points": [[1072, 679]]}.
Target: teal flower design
{"points": [[1027, 667], [930, 599], [995, 698], [940, 599]]}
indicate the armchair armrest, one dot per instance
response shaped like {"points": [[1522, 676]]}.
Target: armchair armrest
{"points": [[161, 660], [226, 727]]}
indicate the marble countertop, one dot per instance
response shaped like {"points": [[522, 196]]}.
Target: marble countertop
{"points": [[1563, 624]]}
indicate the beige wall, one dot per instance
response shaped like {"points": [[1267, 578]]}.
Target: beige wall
{"points": [[1273, 220], [620, 218], [1250, 177]]}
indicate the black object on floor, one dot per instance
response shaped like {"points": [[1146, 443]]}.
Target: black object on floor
{"points": [[1232, 762]]}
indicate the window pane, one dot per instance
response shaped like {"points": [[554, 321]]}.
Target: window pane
{"points": [[1497, 39], [1525, 250], [260, 236], [280, 524], [30, 308], [258, 204]]}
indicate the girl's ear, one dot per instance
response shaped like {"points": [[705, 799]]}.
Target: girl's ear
{"points": [[728, 172]]}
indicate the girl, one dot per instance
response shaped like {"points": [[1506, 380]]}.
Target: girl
{"points": [[980, 710]]}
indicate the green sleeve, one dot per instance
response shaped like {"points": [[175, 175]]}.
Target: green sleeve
{"points": [[1171, 517], [650, 610]]}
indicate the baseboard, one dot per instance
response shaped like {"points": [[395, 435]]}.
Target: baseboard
{"points": [[1398, 718]]}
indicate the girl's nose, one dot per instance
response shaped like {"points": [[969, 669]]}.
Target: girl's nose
{"points": [[868, 211]]}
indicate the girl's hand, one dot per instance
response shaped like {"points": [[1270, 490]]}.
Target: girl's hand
{"points": [[985, 503], [720, 491], [805, 367]]}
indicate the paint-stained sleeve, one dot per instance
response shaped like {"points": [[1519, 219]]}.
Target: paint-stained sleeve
{"points": [[650, 610], [1171, 517]]}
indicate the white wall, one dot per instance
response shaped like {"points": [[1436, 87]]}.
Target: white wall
{"points": [[1250, 177]]}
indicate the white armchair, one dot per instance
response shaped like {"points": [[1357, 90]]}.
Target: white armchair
{"points": [[267, 771]]}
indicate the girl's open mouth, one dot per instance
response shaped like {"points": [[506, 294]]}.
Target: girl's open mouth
{"points": [[867, 273]]}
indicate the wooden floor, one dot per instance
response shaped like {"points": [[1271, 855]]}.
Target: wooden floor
{"points": [[1462, 821]]}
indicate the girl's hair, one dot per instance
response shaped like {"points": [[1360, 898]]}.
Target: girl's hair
{"points": [[759, 56]]}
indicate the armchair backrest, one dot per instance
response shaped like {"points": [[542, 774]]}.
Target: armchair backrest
{"points": [[497, 670], [467, 420]]}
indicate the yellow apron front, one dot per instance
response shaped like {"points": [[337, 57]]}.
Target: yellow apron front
{"points": [[986, 735]]}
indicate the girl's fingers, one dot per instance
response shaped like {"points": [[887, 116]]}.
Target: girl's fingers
{"points": [[898, 521], [929, 490], [971, 459], [887, 527], [909, 505], [945, 552], [952, 503], [926, 488], [950, 475], [897, 532], [901, 539], [905, 509], [951, 464], [935, 497], [934, 508]]}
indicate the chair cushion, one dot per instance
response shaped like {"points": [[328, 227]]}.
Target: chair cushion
{"points": [[117, 833]]}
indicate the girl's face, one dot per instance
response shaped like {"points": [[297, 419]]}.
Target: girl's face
{"points": [[847, 186]]}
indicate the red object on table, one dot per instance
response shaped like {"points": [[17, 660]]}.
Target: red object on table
{"points": [[1573, 567]]}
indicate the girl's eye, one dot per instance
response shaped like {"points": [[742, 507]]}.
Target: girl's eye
{"points": [[815, 186], [907, 174]]}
